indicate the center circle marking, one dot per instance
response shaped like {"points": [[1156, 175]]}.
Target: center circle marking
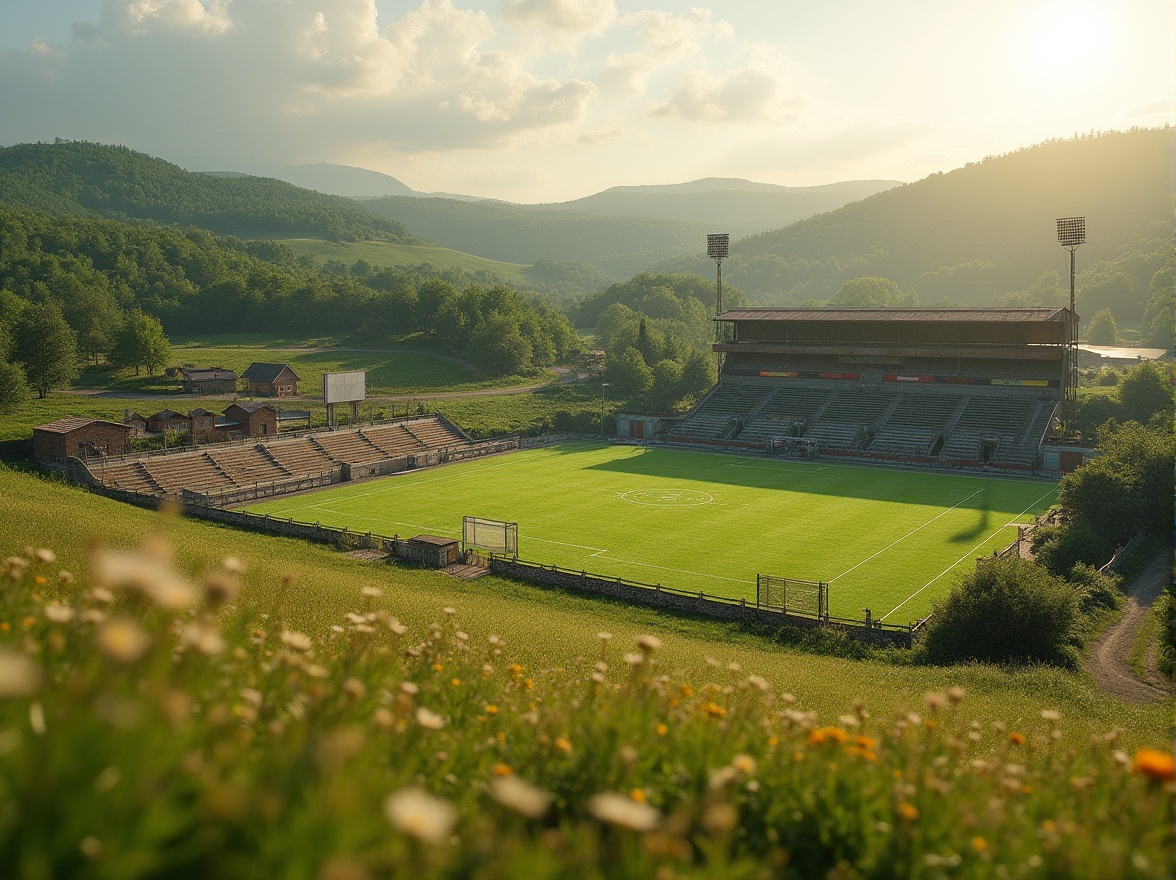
{"points": [[668, 497]]}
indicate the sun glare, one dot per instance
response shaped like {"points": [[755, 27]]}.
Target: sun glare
{"points": [[1064, 40]]}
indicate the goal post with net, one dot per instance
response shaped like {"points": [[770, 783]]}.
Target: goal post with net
{"points": [[809, 598], [490, 536]]}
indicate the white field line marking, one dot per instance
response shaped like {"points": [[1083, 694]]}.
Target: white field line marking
{"points": [[966, 555], [908, 534], [596, 550]]}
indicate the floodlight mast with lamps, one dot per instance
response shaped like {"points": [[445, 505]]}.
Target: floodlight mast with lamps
{"points": [[718, 247], [1071, 235]]}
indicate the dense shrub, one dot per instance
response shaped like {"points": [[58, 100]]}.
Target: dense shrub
{"points": [[1007, 611]]}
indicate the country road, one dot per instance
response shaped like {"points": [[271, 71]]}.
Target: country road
{"points": [[1107, 658]]}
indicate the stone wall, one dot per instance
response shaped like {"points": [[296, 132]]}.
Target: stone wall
{"points": [[678, 600]]}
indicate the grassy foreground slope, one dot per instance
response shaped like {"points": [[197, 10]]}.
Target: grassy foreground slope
{"points": [[546, 629]]}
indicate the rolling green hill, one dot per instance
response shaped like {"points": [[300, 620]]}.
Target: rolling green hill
{"points": [[622, 230], [982, 231], [388, 253], [121, 184]]}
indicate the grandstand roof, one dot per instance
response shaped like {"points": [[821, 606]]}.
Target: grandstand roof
{"points": [[925, 315]]}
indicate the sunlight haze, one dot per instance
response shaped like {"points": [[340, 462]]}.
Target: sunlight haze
{"points": [[548, 100]]}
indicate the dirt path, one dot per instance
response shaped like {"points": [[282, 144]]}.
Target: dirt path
{"points": [[1107, 659]]}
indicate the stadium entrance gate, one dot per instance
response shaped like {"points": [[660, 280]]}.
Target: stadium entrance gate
{"points": [[808, 598]]}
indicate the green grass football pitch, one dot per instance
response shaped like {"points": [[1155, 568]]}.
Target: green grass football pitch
{"points": [[887, 540]]}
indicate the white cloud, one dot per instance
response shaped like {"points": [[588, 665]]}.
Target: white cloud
{"points": [[752, 93], [301, 80], [1154, 110], [664, 39], [559, 25], [209, 17]]}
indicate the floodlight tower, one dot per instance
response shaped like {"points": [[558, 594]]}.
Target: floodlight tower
{"points": [[718, 246], [1071, 235]]}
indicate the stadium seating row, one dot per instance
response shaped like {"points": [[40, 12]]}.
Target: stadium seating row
{"points": [[977, 424], [224, 468]]}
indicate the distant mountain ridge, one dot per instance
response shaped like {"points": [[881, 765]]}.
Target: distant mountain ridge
{"points": [[119, 183], [621, 230], [984, 231], [338, 180]]}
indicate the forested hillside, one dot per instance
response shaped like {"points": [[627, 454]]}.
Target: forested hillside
{"points": [[119, 183], [987, 231], [527, 233], [100, 273]]}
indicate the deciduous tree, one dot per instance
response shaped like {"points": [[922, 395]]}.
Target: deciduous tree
{"points": [[45, 347]]}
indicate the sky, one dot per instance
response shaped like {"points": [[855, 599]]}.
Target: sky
{"points": [[550, 100]]}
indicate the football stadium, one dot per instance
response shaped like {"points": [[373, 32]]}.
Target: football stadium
{"points": [[863, 456]]}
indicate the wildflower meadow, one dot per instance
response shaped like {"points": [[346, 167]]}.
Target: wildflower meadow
{"points": [[158, 724]]}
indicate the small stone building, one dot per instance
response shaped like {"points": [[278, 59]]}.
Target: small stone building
{"points": [[209, 380], [201, 425], [271, 380], [249, 420], [56, 442]]}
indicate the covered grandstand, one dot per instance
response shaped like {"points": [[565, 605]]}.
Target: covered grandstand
{"points": [[962, 387]]}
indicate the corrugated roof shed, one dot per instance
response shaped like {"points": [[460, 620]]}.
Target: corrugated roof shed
{"points": [[192, 374]]}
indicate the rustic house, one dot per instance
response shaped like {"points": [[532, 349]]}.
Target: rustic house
{"points": [[168, 421], [271, 380], [55, 442], [137, 423], [208, 380], [248, 420]]}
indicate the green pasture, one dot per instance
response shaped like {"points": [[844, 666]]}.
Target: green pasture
{"points": [[887, 540], [399, 369], [386, 253]]}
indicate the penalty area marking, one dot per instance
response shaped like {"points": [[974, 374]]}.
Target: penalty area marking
{"points": [[966, 555]]}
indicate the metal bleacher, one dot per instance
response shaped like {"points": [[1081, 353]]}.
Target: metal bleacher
{"points": [[788, 409], [917, 424], [713, 418]]}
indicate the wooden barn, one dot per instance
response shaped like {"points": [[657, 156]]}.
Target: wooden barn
{"points": [[208, 380], [271, 380]]}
